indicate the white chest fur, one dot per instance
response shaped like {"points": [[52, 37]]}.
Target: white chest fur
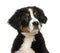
{"points": [[26, 46]]}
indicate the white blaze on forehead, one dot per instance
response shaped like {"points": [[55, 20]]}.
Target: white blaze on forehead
{"points": [[31, 14]]}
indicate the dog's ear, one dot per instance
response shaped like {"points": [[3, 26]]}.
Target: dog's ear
{"points": [[41, 15], [14, 20]]}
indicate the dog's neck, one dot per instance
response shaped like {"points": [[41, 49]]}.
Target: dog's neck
{"points": [[29, 38]]}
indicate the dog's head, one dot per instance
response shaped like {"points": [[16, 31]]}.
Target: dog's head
{"points": [[28, 19]]}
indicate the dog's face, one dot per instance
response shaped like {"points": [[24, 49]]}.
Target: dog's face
{"points": [[29, 19]]}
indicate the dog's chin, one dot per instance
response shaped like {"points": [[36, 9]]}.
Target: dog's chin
{"points": [[31, 32]]}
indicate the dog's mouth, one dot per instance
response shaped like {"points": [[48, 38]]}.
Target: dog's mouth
{"points": [[36, 28], [32, 32], [28, 30]]}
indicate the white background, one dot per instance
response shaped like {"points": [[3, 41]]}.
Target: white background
{"points": [[50, 30]]}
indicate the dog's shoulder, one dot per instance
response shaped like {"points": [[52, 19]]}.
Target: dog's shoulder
{"points": [[39, 44], [17, 42]]}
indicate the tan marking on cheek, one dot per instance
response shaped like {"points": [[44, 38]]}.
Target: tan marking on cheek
{"points": [[24, 29], [27, 14]]}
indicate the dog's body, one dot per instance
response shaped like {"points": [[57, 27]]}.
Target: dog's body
{"points": [[28, 22]]}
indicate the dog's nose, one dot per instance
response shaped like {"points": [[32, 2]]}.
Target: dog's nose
{"points": [[35, 23]]}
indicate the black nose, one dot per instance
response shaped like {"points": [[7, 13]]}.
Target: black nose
{"points": [[35, 23]]}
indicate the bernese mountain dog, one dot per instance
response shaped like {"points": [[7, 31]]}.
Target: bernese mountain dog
{"points": [[28, 22]]}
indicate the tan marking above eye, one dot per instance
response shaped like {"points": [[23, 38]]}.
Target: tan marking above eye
{"points": [[27, 14], [34, 13]]}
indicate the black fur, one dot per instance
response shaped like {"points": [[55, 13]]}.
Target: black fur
{"points": [[39, 44], [15, 21]]}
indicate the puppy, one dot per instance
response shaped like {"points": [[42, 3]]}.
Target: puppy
{"points": [[28, 22]]}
